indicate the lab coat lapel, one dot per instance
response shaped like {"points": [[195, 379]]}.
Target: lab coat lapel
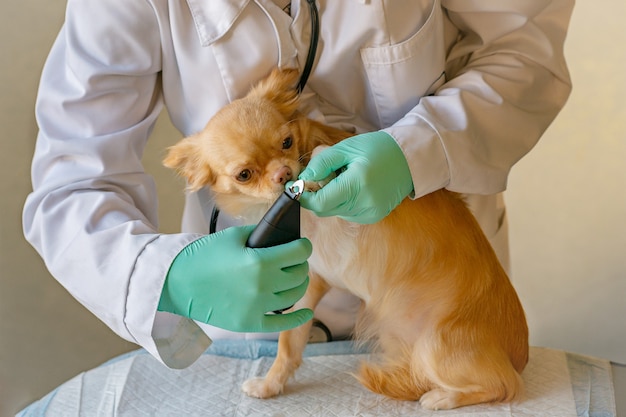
{"points": [[213, 18]]}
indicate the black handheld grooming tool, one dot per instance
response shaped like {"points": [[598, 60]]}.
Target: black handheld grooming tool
{"points": [[281, 223]]}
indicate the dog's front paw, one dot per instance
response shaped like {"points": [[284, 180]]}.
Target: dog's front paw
{"points": [[261, 388]]}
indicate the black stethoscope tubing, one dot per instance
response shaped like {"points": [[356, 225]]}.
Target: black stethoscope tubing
{"points": [[315, 34]]}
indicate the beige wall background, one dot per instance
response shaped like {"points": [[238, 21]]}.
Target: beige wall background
{"points": [[566, 199]]}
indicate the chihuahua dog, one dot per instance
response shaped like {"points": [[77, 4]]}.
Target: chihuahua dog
{"points": [[447, 326]]}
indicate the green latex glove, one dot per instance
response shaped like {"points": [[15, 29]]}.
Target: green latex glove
{"points": [[219, 281], [376, 179]]}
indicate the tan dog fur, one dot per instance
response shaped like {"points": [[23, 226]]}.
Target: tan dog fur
{"points": [[448, 326]]}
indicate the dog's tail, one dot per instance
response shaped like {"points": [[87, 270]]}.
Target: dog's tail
{"points": [[395, 375], [394, 381]]}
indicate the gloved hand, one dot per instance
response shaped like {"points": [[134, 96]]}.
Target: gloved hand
{"points": [[376, 179], [219, 281]]}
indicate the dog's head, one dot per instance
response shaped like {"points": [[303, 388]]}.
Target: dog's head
{"points": [[249, 149]]}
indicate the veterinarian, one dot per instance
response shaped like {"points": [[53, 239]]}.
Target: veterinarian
{"points": [[443, 93]]}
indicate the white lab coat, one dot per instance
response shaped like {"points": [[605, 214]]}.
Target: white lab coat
{"points": [[466, 87]]}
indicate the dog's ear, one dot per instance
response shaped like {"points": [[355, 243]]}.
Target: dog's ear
{"points": [[280, 89], [184, 158]]}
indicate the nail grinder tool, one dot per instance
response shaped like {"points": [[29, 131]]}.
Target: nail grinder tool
{"points": [[281, 223]]}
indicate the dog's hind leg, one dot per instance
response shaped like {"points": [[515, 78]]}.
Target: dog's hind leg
{"points": [[465, 378], [291, 344]]}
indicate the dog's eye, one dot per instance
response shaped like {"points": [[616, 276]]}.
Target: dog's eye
{"points": [[287, 142], [244, 176]]}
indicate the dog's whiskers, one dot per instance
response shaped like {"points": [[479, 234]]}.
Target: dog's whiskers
{"points": [[305, 156]]}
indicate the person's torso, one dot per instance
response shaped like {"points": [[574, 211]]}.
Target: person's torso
{"points": [[374, 60]]}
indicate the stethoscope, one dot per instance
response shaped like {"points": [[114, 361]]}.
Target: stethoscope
{"points": [[306, 72], [315, 33]]}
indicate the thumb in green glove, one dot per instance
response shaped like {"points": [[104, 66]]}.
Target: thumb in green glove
{"points": [[219, 281], [376, 178]]}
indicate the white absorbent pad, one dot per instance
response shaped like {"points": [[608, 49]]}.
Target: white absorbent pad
{"points": [[558, 384]]}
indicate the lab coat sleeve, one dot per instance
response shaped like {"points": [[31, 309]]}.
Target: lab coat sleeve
{"points": [[506, 80], [92, 215]]}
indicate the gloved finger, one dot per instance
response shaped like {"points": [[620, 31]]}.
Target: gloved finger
{"points": [[285, 299], [363, 218], [280, 322], [287, 254], [334, 198], [292, 277], [244, 230], [325, 163]]}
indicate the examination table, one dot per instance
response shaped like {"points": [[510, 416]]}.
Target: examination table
{"points": [[558, 384]]}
